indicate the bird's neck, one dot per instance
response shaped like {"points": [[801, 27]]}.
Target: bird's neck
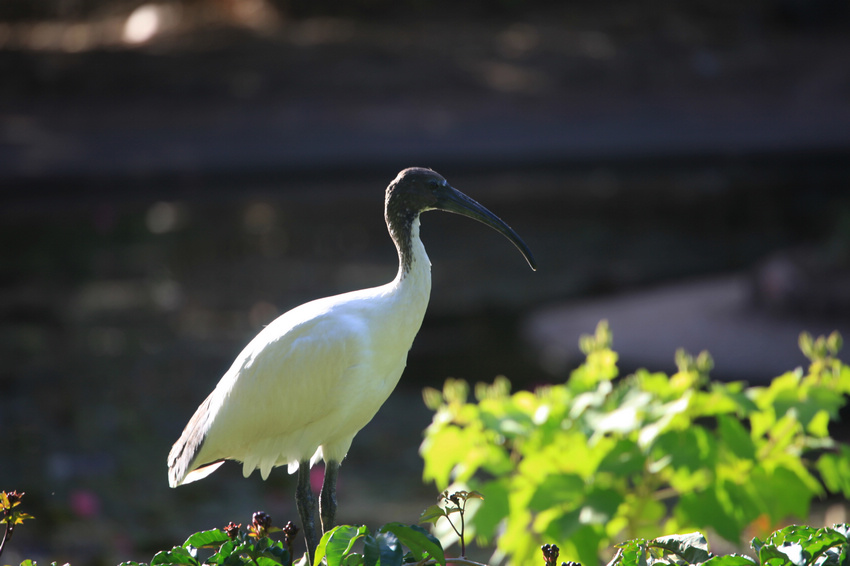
{"points": [[414, 271]]}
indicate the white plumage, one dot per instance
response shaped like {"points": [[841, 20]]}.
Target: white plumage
{"points": [[308, 382]]}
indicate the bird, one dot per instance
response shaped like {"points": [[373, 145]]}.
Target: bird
{"points": [[311, 379]]}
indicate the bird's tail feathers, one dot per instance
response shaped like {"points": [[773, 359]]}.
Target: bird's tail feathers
{"points": [[182, 467]]}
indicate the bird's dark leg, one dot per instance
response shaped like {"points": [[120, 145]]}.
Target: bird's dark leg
{"points": [[327, 500], [306, 503]]}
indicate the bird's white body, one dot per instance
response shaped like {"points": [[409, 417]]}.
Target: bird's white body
{"points": [[310, 380], [304, 387]]}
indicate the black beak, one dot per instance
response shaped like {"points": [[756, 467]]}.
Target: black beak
{"points": [[452, 200]]}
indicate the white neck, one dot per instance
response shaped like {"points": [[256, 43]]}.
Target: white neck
{"points": [[414, 280]]}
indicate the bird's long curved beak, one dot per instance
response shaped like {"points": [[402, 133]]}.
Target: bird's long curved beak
{"points": [[452, 200]]}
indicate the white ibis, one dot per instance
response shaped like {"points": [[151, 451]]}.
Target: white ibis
{"points": [[310, 380]]}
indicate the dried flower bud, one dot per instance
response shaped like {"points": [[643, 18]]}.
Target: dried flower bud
{"points": [[550, 554], [15, 497], [232, 530], [289, 531], [262, 520]]}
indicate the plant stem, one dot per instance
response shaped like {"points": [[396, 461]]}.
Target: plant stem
{"points": [[7, 534], [462, 526]]}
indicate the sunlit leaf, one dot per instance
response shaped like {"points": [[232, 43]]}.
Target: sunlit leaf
{"points": [[207, 539], [337, 543], [432, 514], [420, 542], [692, 546]]}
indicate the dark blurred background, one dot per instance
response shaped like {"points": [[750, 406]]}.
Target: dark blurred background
{"points": [[175, 174]]}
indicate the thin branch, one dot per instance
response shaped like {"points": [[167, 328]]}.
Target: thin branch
{"points": [[7, 534]]}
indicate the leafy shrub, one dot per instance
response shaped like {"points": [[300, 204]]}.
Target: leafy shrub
{"points": [[596, 460], [790, 546], [795, 545], [233, 547]]}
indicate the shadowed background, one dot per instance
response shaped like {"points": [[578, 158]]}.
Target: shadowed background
{"points": [[176, 174]]}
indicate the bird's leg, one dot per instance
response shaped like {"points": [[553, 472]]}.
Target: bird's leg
{"points": [[305, 501], [327, 499]]}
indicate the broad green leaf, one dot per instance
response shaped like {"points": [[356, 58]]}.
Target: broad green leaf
{"points": [[585, 545], [795, 553], [432, 514], [730, 560], [420, 542], [692, 546], [557, 490], [390, 549], [177, 555], [600, 505], [207, 539], [822, 540], [485, 519], [703, 509], [382, 549], [625, 459], [337, 543], [796, 494], [632, 553], [224, 551], [842, 529], [692, 449], [835, 471], [437, 448], [735, 437]]}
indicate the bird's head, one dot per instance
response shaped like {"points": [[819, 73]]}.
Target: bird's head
{"points": [[416, 190]]}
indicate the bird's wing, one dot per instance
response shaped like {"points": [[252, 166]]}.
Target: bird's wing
{"points": [[287, 379]]}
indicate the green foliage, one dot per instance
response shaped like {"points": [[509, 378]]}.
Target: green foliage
{"points": [[382, 548], [454, 503], [595, 460], [10, 515], [790, 546], [232, 547]]}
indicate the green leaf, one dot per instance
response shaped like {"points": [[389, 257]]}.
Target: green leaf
{"points": [[207, 539], [177, 555], [383, 549], [390, 549], [337, 543], [735, 437], [225, 552], [692, 546], [631, 553], [625, 459], [794, 552], [485, 519], [835, 471], [729, 560], [599, 506], [557, 489], [420, 542], [703, 509], [796, 493], [432, 514], [439, 448], [277, 552]]}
